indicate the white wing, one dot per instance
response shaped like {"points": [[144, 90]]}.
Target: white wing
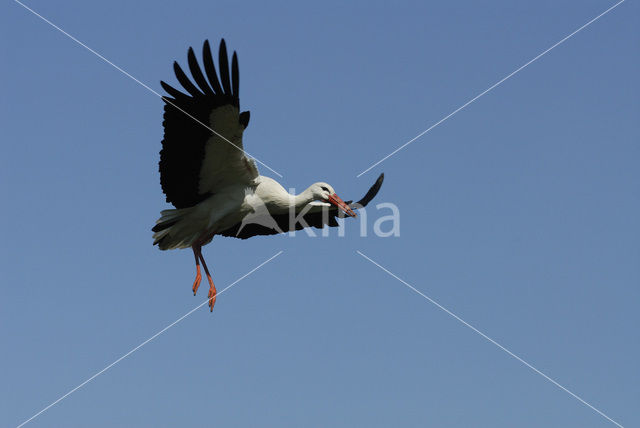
{"points": [[202, 148]]}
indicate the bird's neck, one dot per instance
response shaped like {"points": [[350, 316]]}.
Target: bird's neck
{"points": [[302, 199], [284, 201]]}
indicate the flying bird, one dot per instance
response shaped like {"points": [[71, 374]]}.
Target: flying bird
{"points": [[213, 184]]}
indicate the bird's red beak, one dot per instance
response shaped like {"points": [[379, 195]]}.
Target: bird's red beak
{"points": [[335, 200]]}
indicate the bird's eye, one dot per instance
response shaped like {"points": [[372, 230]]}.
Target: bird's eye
{"points": [[324, 188]]}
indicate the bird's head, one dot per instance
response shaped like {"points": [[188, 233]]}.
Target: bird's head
{"points": [[324, 192]]}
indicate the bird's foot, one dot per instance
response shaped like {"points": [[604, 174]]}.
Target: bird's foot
{"points": [[196, 283], [212, 293]]}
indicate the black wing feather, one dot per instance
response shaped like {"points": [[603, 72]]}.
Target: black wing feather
{"points": [[173, 92], [235, 76], [185, 82], [223, 62], [317, 220], [210, 68], [182, 152], [194, 67]]}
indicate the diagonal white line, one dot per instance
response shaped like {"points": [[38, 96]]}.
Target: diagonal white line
{"points": [[146, 341], [490, 88], [489, 339], [143, 85]]}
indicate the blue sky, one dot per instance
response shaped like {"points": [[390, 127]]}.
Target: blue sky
{"points": [[517, 214]]}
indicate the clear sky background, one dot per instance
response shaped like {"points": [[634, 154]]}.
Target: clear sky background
{"points": [[519, 214]]}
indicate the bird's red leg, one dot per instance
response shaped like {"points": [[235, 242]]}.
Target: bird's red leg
{"points": [[212, 288], [197, 255]]}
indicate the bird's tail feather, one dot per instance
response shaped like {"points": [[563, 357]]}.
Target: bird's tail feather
{"points": [[169, 220]]}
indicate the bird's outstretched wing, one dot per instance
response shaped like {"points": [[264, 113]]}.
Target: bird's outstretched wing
{"points": [[318, 216], [202, 148]]}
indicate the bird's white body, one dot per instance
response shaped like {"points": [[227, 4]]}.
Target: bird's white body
{"points": [[232, 205]]}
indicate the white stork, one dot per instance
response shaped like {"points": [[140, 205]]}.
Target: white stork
{"points": [[214, 186]]}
